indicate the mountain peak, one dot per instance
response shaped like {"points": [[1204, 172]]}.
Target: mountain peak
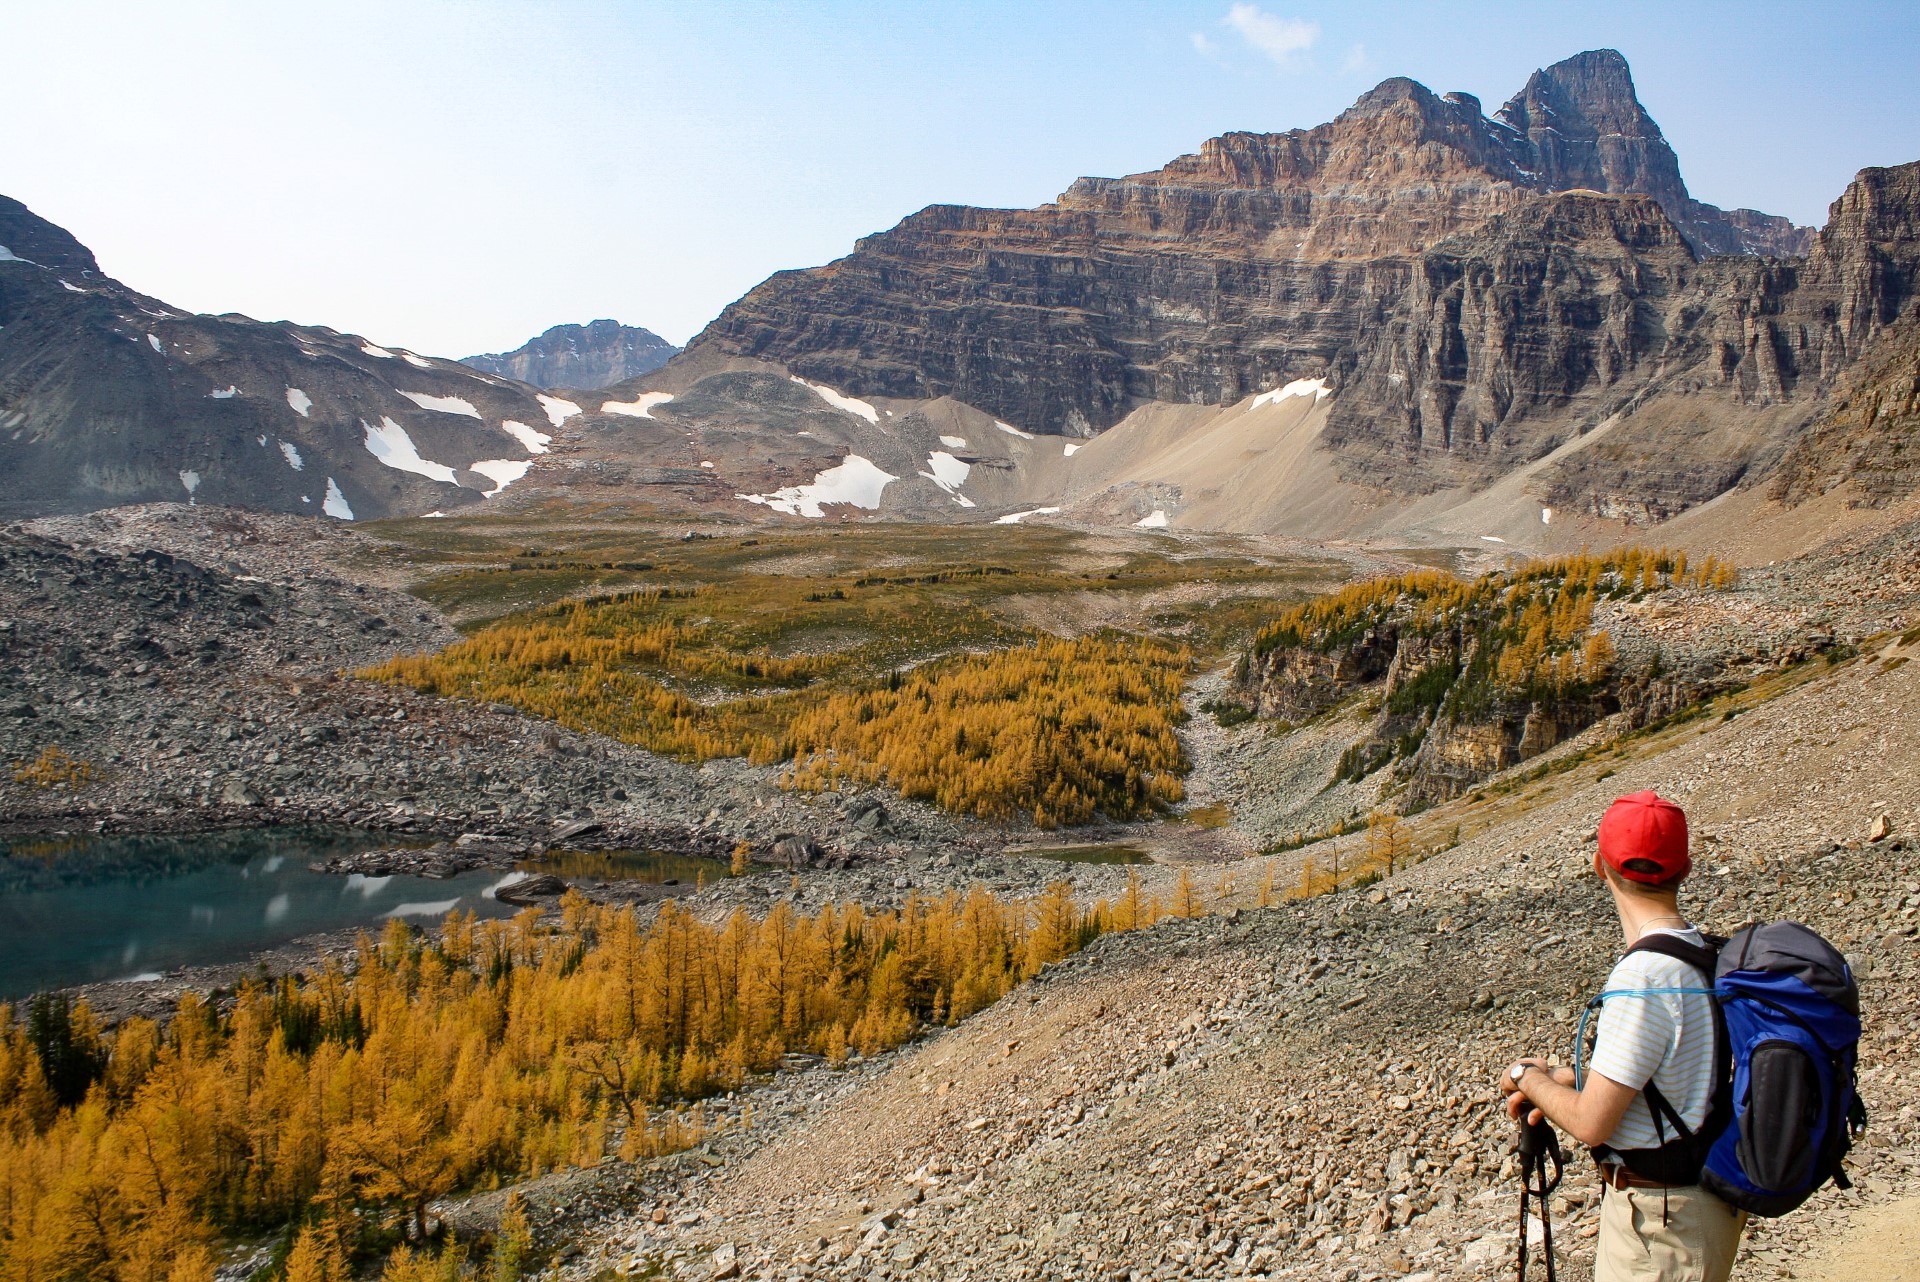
{"points": [[26, 235], [1586, 96], [597, 354]]}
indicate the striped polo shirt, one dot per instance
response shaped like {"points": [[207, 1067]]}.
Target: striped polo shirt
{"points": [[1666, 1038]]}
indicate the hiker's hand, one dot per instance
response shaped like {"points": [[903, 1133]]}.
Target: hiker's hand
{"points": [[1507, 1083], [1517, 1101]]}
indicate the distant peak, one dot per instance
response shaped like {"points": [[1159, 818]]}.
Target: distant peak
{"points": [[1583, 96], [1392, 90]]}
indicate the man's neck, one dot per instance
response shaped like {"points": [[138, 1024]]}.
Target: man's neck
{"points": [[1641, 913]]}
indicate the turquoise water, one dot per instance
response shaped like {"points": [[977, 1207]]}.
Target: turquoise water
{"points": [[76, 910]]}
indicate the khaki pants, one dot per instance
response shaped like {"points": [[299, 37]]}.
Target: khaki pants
{"points": [[1695, 1243]]}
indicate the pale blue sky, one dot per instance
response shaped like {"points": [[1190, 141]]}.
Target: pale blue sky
{"points": [[455, 177]]}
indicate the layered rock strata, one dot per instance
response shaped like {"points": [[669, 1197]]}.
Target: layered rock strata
{"points": [[1479, 292]]}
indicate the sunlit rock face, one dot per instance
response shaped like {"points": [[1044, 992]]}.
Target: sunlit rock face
{"points": [[1478, 291], [584, 357]]}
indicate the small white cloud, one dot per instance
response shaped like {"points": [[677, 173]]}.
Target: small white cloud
{"points": [[1276, 37], [1357, 63], [1202, 45]]}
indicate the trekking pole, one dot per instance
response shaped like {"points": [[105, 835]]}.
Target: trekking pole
{"points": [[1539, 1147]]}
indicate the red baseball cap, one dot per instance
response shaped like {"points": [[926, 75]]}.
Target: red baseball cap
{"points": [[1643, 837]]}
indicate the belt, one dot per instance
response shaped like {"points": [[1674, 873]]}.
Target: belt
{"points": [[1619, 1178]]}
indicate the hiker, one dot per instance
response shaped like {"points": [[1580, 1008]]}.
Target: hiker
{"points": [[1653, 1063]]}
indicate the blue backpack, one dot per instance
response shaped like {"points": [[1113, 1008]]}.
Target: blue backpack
{"points": [[1785, 1110]]}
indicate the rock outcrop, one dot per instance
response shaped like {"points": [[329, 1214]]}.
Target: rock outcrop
{"points": [[110, 397], [586, 357], [1871, 437], [1452, 683]]}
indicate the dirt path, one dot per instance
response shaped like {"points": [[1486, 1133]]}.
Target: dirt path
{"points": [[1881, 1244]]}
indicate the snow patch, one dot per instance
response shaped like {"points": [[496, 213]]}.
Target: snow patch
{"points": [[949, 473], [513, 878], [1154, 520], [857, 482], [8, 256], [707, 464], [1546, 516], [1491, 538], [292, 453], [501, 471], [262, 441], [157, 345], [1072, 449], [415, 361], [370, 350], [434, 908], [336, 504], [1013, 518], [641, 406], [444, 404], [391, 445], [558, 410], [954, 442], [1011, 430], [367, 886], [226, 393], [1314, 387], [850, 404], [299, 402], [305, 499], [71, 286], [430, 515], [190, 479], [536, 441]]}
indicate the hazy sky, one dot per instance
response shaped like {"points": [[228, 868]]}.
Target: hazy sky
{"points": [[455, 177]]}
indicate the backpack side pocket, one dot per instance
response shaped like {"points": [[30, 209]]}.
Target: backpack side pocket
{"points": [[1781, 1126]]}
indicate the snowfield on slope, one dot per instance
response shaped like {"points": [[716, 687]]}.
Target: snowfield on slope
{"points": [[391, 445], [444, 404], [849, 404], [641, 406], [857, 482], [1314, 387]]}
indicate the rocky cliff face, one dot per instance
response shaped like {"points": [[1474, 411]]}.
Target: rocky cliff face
{"points": [[110, 397], [587, 357], [1870, 439], [1261, 256], [1479, 292]]}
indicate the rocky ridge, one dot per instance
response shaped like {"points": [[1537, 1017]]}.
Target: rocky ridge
{"points": [[110, 397]]}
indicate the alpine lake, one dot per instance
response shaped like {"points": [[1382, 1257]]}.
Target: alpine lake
{"points": [[82, 909]]}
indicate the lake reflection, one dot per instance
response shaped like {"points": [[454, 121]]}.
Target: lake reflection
{"points": [[1108, 854], [80, 909]]}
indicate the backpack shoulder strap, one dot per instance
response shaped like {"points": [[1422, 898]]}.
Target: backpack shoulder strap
{"points": [[1704, 958], [1701, 958]]}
